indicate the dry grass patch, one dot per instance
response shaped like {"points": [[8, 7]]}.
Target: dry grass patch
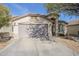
{"points": [[3, 44], [70, 43]]}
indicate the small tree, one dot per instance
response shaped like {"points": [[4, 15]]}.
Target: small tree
{"points": [[4, 16]]}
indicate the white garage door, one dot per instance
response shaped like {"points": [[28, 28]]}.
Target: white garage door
{"points": [[33, 31]]}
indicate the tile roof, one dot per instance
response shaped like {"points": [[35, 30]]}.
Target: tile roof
{"points": [[74, 22], [32, 15]]}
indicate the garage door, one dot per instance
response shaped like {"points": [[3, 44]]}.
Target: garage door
{"points": [[33, 31]]}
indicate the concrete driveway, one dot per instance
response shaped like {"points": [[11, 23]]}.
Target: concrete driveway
{"points": [[31, 47]]}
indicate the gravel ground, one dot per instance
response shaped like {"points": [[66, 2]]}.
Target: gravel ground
{"points": [[70, 43]]}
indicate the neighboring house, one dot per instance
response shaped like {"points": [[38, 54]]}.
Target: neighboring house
{"points": [[6, 29], [73, 28]]}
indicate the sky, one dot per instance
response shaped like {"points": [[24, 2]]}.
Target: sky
{"points": [[25, 8], [18, 9]]}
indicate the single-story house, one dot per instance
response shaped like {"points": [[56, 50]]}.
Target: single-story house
{"points": [[73, 28], [35, 26], [32, 26]]}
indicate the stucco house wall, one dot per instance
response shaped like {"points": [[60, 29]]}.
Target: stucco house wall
{"points": [[6, 29], [73, 30]]}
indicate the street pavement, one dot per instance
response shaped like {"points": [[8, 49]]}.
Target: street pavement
{"points": [[35, 47]]}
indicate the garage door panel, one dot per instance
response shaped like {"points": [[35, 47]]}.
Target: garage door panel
{"points": [[33, 31]]}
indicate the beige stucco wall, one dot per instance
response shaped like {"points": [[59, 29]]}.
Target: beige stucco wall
{"points": [[73, 29], [6, 29]]}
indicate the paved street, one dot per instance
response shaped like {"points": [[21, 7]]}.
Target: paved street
{"points": [[30, 47]]}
